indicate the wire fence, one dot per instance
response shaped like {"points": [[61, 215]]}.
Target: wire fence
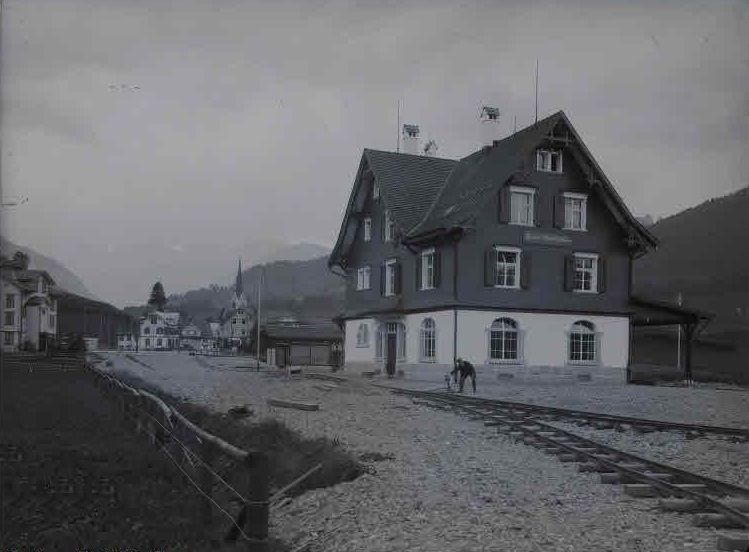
{"points": [[195, 452]]}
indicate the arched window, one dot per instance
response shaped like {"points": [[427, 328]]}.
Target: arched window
{"points": [[362, 335], [380, 341], [159, 331], [146, 330], [503, 340], [428, 340], [582, 346]]}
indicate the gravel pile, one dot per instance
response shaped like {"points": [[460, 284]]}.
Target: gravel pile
{"points": [[713, 457], [451, 484]]}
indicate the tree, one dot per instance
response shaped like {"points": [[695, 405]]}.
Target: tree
{"points": [[158, 298]]}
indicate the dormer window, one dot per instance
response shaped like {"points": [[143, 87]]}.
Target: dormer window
{"points": [[549, 161], [375, 191]]}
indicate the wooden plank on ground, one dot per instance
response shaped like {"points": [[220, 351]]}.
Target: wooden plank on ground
{"points": [[296, 405]]}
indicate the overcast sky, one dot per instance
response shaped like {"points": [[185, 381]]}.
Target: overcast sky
{"points": [[160, 139]]}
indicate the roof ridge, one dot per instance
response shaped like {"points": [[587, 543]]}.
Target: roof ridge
{"points": [[412, 155]]}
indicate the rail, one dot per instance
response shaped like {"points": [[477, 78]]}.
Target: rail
{"points": [[714, 503]]}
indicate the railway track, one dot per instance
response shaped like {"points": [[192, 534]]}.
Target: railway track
{"points": [[712, 503], [605, 421]]}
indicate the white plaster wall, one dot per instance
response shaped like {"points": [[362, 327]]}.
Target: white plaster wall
{"points": [[359, 354], [443, 321], [544, 336]]}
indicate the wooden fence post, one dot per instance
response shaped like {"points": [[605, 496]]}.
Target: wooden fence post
{"points": [[257, 502], [207, 454]]}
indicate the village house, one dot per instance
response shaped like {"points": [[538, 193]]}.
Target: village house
{"points": [[29, 319], [159, 331], [517, 258]]}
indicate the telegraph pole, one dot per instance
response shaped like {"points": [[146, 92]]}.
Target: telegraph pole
{"points": [[259, 283]]}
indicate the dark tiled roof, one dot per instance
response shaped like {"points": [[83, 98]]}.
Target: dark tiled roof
{"points": [[408, 183], [319, 331], [478, 176]]}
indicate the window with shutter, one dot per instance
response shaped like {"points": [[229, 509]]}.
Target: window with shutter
{"points": [[427, 265], [575, 211], [522, 202], [585, 276], [507, 272], [391, 277]]}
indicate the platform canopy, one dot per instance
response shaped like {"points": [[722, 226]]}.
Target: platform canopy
{"points": [[648, 312]]}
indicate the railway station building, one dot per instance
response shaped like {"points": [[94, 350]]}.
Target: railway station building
{"points": [[517, 258]]}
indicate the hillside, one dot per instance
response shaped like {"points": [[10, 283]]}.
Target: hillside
{"points": [[64, 278], [704, 255], [302, 288]]}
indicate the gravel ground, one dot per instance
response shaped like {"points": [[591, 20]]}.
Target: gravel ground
{"points": [[702, 404], [451, 484]]}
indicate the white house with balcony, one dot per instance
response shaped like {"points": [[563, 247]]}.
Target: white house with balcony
{"points": [[29, 310]]}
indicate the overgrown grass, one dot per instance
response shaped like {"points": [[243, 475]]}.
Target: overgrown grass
{"points": [[289, 453]]}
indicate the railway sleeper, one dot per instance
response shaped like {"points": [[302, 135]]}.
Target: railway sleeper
{"points": [[622, 477], [691, 505], [733, 543], [643, 490], [720, 521]]}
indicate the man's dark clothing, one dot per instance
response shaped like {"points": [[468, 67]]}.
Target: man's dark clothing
{"points": [[466, 370]]}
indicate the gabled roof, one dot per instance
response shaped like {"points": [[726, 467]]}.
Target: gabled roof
{"points": [[476, 179], [428, 195], [408, 185], [479, 175]]}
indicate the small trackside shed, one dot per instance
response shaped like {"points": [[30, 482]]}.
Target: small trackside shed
{"points": [[302, 343]]}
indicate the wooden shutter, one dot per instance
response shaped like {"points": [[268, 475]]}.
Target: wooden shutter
{"points": [[601, 275], [397, 277], [437, 268], [525, 270], [536, 208], [418, 271], [383, 268], [490, 267], [504, 204], [559, 211], [569, 272]]}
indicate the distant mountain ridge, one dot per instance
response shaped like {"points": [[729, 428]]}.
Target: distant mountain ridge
{"points": [[63, 277], [305, 288], [703, 254]]}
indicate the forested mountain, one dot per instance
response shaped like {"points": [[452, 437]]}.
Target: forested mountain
{"points": [[704, 254]]}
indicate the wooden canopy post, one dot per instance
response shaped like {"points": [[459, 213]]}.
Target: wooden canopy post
{"points": [[689, 335]]}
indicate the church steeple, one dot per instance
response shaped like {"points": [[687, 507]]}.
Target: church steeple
{"points": [[238, 283], [239, 300]]}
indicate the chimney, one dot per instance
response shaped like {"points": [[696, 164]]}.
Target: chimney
{"points": [[489, 119], [411, 139], [430, 149]]}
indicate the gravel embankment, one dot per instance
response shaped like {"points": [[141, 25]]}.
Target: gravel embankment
{"points": [[452, 484]]}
